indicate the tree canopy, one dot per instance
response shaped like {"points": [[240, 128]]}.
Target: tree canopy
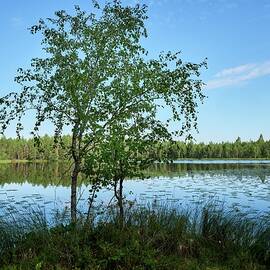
{"points": [[96, 74]]}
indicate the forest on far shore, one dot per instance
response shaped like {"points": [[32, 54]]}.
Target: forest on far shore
{"points": [[25, 149]]}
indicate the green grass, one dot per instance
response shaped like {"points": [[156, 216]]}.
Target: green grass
{"points": [[210, 239], [21, 161], [13, 161]]}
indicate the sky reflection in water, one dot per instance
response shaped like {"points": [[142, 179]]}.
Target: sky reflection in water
{"points": [[242, 185]]}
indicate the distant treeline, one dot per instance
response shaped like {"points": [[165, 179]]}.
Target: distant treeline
{"points": [[238, 149], [25, 149]]}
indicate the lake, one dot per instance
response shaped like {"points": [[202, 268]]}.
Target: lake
{"points": [[242, 185]]}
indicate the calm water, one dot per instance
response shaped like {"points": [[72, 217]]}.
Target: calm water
{"points": [[241, 185]]}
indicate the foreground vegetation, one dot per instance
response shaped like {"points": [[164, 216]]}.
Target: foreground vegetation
{"points": [[24, 149], [151, 238]]}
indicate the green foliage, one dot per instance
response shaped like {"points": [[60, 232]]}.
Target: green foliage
{"points": [[122, 155], [96, 76], [24, 149], [177, 150], [152, 238]]}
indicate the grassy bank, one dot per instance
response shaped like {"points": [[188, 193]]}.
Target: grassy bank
{"points": [[160, 239], [7, 161], [13, 161]]}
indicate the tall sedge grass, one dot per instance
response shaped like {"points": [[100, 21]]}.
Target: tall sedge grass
{"points": [[153, 237]]}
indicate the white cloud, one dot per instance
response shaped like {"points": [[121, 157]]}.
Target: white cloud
{"points": [[235, 75], [235, 70]]}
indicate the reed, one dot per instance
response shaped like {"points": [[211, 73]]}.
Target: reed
{"points": [[153, 237]]}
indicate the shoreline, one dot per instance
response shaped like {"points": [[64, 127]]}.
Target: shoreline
{"points": [[12, 161]]}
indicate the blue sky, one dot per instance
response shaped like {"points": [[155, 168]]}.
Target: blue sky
{"points": [[233, 35]]}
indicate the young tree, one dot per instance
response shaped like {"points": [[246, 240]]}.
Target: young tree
{"points": [[123, 153], [95, 73]]}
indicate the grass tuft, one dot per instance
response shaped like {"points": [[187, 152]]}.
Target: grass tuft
{"points": [[152, 238]]}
